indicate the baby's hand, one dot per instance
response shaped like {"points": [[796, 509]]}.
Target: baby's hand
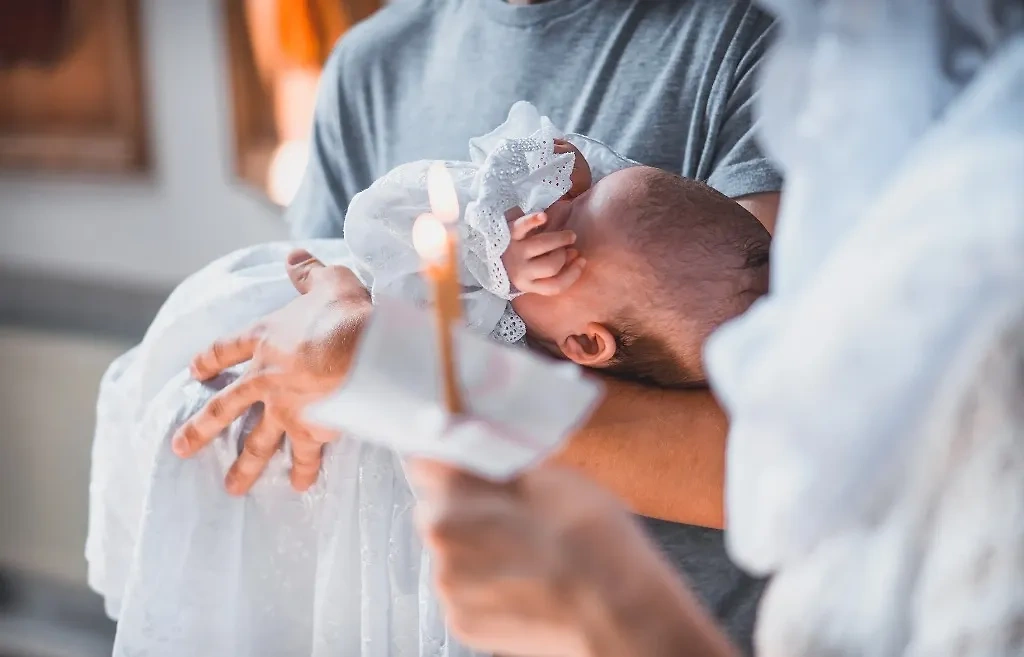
{"points": [[539, 262], [581, 177]]}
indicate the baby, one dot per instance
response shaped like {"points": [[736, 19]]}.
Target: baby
{"points": [[568, 247], [662, 261], [587, 255]]}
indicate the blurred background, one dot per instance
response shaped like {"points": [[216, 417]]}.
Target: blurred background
{"points": [[139, 139]]}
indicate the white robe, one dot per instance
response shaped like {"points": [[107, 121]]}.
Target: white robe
{"points": [[874, 453]]}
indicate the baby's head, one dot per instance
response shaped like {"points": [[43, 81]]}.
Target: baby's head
{"points": [[668, 260]]}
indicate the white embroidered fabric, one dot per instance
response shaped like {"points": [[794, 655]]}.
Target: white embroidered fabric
{"points": [[874, 451], [524, 173], [511, 328], [339, 571]]}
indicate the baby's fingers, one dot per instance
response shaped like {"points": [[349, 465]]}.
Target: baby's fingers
{"points": [[547, 243], [561, 281], [523, 226], [546, 266]]}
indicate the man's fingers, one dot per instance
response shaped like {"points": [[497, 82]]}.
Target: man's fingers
{"points": [[561, 281], [307, 442], [302, 266], [545, 243], [225, 353], [220, 411], [257, 450], [306, 458], [523, 226]]}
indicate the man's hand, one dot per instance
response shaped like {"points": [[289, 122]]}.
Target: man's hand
{"points": [[298, 354], [551, 564]]}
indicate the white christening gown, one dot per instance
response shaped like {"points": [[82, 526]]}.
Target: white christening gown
{"points": [[338, 571]]}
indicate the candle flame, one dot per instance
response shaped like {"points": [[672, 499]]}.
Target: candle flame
{"points": [[444, 200], [429, 238]]}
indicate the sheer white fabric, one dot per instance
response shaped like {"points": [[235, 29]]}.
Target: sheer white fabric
{"points": [[338, 571], [860, 471], [187, 569]]}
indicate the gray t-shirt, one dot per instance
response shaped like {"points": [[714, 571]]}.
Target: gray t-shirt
{"points": [[668, 83]]}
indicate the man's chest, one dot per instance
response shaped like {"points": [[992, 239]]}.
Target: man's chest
{"points": [[651, 112]]}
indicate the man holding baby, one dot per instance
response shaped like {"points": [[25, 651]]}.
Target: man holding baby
{"points": [[668, 84]]}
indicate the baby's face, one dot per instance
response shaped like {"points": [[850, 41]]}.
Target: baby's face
{"points": [[600, 219]]}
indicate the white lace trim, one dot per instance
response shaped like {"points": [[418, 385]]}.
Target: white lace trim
{"points": [[601, 158], [510, 329], [523, 172]]}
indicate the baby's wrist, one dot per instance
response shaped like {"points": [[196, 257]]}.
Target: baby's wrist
{"points": [[510, 269]]}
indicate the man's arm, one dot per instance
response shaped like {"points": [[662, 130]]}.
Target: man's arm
{"points": [[662, 451], [764, 206], [737, 167], [338, 165]]}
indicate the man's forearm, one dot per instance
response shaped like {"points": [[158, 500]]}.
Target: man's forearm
{"points": [[764, 206], [662, 451]]}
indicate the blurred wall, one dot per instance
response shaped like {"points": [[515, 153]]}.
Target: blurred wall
{"points": [[189, 211], [100, 234], [46, 415]]}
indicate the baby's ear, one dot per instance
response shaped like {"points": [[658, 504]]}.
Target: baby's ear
{"points": [[595, 347]]}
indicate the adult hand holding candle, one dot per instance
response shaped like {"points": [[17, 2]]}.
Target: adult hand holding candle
{"points": [[436, 241]]}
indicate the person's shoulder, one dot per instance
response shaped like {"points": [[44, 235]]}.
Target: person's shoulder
{"points": [[382, 38]]}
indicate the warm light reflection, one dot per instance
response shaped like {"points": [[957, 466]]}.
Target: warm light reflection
{"points": [[287, 166], [429, 238], [444, 201]]}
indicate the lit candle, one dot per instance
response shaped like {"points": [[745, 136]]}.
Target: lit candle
{"points": [[436, 241], [444, 200]]}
